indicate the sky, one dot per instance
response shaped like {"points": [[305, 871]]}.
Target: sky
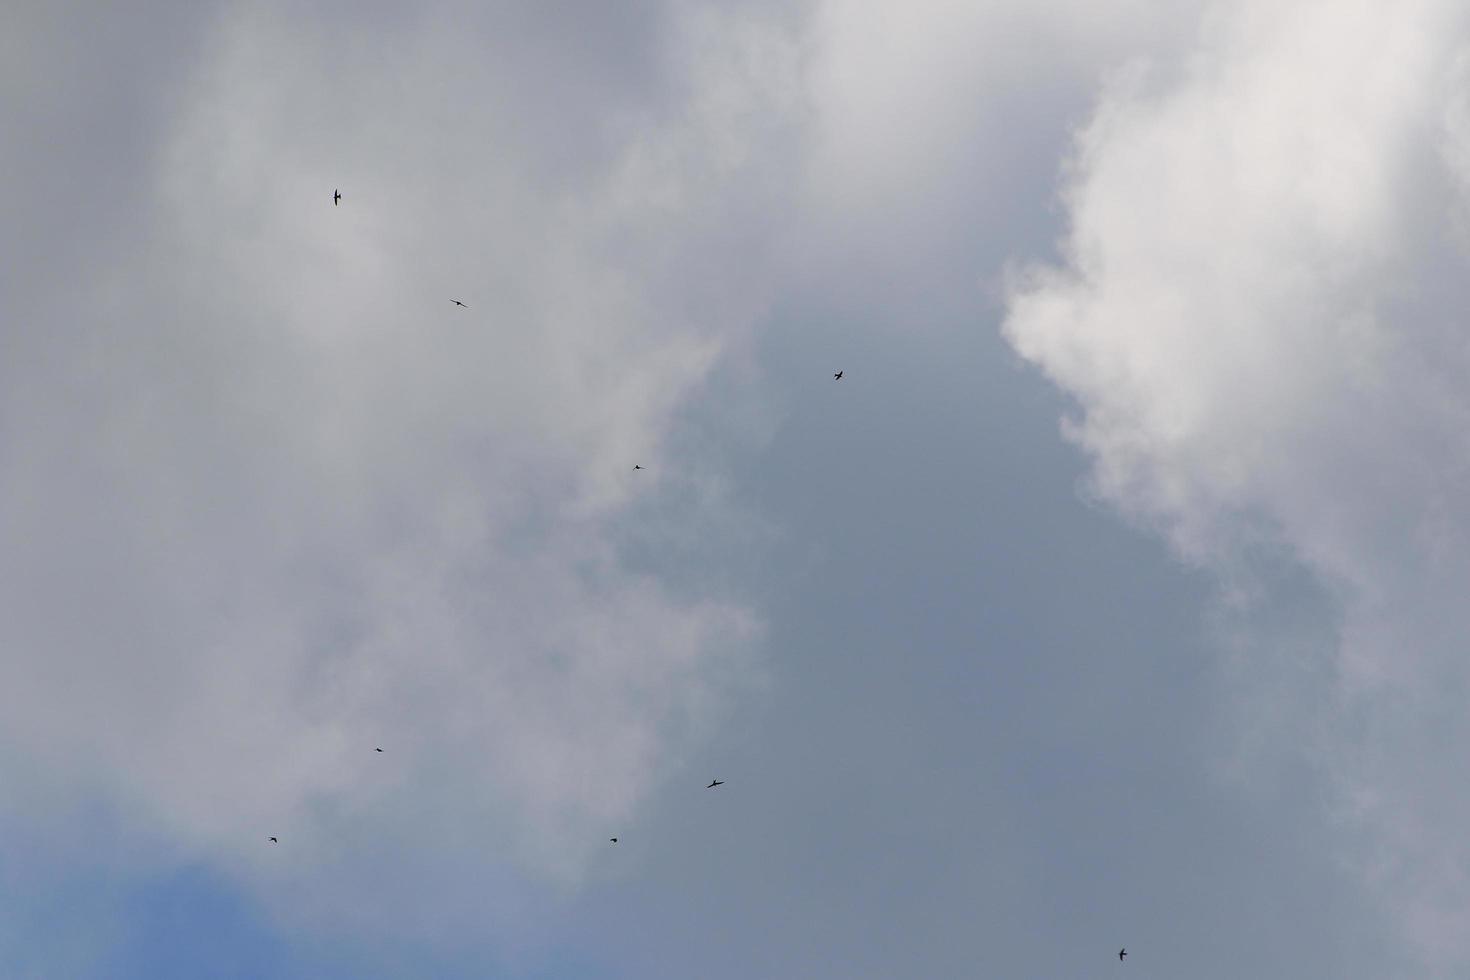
{"points": [[1113, 598]]}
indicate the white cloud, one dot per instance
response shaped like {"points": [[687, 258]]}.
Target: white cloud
{"points": [[1260, 313], [269, 500]]}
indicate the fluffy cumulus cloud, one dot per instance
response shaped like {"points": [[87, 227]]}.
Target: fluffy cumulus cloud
{"points": [[1259, 308], [268, 500]]}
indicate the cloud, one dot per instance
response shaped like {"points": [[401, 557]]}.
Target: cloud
{"points": [[927, 107], [269, 500], [1258, 309]]}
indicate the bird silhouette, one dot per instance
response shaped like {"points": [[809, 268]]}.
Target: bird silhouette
{"points": [[458, 303], [837, 376], [336, 198], [1122, 953], [613, 839], [637, 467], [714, 783], [377, 750], [272, 840]]}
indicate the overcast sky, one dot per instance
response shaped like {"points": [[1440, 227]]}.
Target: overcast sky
{"points": [[1114, 597]]}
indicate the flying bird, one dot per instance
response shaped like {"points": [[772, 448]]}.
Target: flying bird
{"points": [[1122, 953], [637, 467], [837, 376], [714, 783], [377, 750], [336, 197], [613, 839], [458, 303], [272, 840]]}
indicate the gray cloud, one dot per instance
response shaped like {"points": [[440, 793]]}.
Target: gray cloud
{"points": [[269, 500]]}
